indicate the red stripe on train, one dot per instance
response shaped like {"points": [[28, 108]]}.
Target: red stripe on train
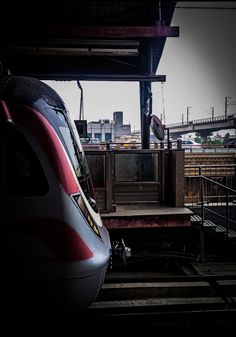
{"points": [[61, 239], [51, 144]]}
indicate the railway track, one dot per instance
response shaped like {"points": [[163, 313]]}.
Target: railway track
{"points": [[147, 300]]}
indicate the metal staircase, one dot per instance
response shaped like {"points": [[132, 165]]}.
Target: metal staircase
{"points": [[213, 228]]}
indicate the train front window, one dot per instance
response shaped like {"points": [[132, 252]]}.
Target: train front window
{"points": [[79, 163], [65, 131]]}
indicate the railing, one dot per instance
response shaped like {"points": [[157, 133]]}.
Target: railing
{"points": [[201, 121], [224, 174], [210, 192], [172, 144]]}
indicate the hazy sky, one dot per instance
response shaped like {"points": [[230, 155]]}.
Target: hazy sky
{"points": [[200, 69]]}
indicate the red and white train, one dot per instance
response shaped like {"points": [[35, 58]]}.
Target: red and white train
{"points": [[54, 248]]}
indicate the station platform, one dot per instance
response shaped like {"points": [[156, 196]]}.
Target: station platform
{"points": [[147, 215]]}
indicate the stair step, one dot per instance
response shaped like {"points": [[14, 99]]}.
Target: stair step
{"points": [[217, 228], [231, 234], [220, 229], [196, 218], [209, 223]]}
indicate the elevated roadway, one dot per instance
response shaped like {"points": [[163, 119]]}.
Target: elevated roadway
{"points": [[203, 126]]}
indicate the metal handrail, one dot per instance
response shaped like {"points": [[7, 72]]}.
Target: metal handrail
{"points": [[227, 195], [229, 192], [210, 170], [216, 183]]}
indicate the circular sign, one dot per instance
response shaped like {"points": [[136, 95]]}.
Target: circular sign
{"points": [[157, 127]]}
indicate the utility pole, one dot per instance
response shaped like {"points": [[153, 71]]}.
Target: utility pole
{"points": [[188, 108], [227, 99], [182, 119], [81, 108], [212, 112]]}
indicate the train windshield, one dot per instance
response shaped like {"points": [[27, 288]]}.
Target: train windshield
{"points": [[65, 131], [79, 163]]}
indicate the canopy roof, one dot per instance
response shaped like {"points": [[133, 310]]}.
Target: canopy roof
{"points": [[103, 39]]}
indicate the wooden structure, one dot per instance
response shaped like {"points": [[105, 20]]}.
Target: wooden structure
{"points": [[140, 188]]}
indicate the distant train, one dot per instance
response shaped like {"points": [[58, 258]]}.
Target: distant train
{"points": [[54, 249]]}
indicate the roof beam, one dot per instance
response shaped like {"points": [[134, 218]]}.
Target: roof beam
{"points": [[108, 32], [128, 78]]}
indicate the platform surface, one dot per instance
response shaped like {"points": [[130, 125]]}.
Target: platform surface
{"points": [[146, 209], [147, 215]]}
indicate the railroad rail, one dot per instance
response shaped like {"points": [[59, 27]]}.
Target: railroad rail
{"points": [[149, 300]]}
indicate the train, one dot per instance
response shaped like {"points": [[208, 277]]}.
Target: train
{"points": [[55, 251]]}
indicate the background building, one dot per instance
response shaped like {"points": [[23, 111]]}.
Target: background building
{"points": [[106, 130]]}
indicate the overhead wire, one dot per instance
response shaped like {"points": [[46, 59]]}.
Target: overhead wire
{"points": [[205, 7], [163, 103]]}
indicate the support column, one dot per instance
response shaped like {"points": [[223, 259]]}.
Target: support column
{"points": [[146, 94], [146, 110], [204, 134]]}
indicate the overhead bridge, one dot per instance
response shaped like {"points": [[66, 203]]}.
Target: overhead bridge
{"points": [[203, 126]]}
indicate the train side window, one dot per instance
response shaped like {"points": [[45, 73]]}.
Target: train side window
{"points": [[25, 176]]}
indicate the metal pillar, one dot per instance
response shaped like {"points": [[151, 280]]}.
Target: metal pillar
{"points": [[204, 135], [145, 107], [188, 111], [202, 233], [227, 100], [146, 95], [212, 112]]}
